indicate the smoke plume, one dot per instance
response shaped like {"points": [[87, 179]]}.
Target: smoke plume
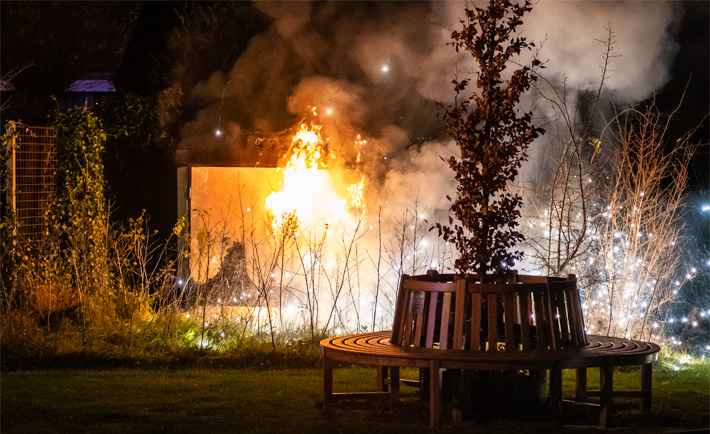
{"points": [[383, 70]]}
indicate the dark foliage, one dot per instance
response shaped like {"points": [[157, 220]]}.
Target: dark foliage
{"points": [[138, 160], [209, 37], [493, 139], [46, 46]]}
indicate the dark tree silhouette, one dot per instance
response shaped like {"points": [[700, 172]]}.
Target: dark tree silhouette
{"points": [[493, 139], [46, 46]]}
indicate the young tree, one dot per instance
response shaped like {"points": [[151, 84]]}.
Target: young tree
{"points": [[493, 138], [637, 250]]}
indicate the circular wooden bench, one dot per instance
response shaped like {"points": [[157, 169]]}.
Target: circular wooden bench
{"points": [[442, 322]]}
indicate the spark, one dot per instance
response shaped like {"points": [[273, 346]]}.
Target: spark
{"points": [[218, 133], [385, 68]]}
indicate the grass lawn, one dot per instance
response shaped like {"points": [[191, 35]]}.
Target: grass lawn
{"points": [[212, 400]]}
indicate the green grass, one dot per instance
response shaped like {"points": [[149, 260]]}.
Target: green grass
{"points": [[230, 400]]}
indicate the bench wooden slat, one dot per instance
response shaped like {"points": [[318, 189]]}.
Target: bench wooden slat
{"points": [[561, 316], [509, 318], [445, 318], [525, 330], [556, 341], [431, 321], [539, 301], [399, 313], [476, 321], [575, 304], [407, 338], [492, 307], [418, 325], [458, 342], [576, 327]]}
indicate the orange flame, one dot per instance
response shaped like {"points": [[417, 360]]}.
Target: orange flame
{"points": [[309, 195]]}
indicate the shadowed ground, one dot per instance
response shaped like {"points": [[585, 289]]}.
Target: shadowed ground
{"points": [[213, 400]]}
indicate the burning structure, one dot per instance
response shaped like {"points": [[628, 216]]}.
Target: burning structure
{"points": [[291, 233]]}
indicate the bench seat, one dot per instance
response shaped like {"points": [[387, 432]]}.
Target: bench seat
{"points": [[601, 352], [456, 322]]}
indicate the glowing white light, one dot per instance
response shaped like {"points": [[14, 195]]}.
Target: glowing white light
{"points": [[222, 334], [180, 282], [693, 270], [706, 207], [187, 315], [329, 111], [385, 68], [218, 133]]}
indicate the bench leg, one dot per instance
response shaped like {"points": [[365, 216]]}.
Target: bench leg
{"points": [[435, 393], [607, 391], [382, 376], [555, 390], [457, 394], [646, 375], [581, 389], [327, 382], [394, 387]]}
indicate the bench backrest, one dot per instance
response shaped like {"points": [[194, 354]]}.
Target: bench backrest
{"points": [[533, 312], [458, 312], [566, 305], [428, 313]]}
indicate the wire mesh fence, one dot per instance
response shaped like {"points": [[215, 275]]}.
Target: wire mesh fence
{"points": [[34, 166]]}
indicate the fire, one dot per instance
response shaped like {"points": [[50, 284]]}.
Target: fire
{"points": [[309, 194]]}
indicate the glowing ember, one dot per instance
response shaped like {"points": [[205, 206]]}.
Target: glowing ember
{"points": [[309, 195]]}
